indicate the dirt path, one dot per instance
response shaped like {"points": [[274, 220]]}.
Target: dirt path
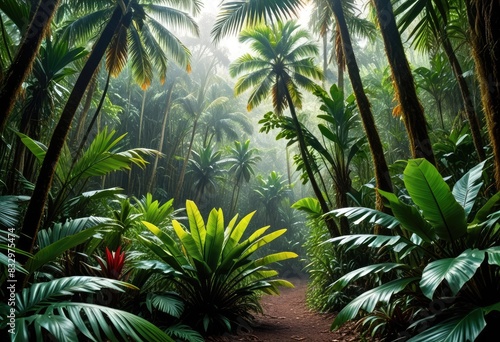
{"points": [[287, 318]]}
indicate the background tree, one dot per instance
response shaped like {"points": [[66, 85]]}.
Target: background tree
{"points": [[282, 60], [241, 160], [382, 176], [22, 63], [113, 34], [484, 20], [406, 93]]}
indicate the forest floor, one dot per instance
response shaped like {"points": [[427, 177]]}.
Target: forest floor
{"points": [[287, 318]]}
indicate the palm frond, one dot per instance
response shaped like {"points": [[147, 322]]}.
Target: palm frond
{"points": [[369, 300], [233, 16]]}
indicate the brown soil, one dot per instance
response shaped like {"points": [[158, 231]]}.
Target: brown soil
{"points": [[287, 318]]}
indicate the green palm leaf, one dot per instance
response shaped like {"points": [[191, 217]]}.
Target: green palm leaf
{"points": [[433, 196], [55, 249], [369, 300], [345, 280], [309, 205], [102, 318], [39, 294], [457, 271], [409, 217], [368, 215], [235, 15], [461, 328]]}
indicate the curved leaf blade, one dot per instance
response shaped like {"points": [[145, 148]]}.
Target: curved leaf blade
{"points": [[433, 196], [456, 271]]}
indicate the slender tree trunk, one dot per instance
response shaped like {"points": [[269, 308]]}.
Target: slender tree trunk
{"points": [[141, 118], [466, 97], [180, 183], [413, 113], [333, 229], [339, 52], [484, 21], [325, 56], [162, 137], [86, 107], [23, 61], [382, 175], [34, 212]]}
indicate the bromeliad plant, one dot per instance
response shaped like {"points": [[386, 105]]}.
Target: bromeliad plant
{"points": [[441, 257], [213, 270]]}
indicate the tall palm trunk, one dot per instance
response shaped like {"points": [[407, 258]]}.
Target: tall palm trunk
{"points": [[382, 176], [86, 107], [162, 137], [333, 229], [413, 113], [23, 61], [186, 159], [340, 55], [34, 212], [141, 117], [470, 112], [484, 21]]}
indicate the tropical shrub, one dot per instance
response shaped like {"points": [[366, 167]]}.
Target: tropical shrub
{"points": [[326, 263], [442, 260], [212, 269]]}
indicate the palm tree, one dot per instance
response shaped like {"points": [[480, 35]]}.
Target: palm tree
{"points": [[52, 66], [323, 21], [382, 176], [10, 84], [271, 192], [124, 19], [434, 21], [282, 61], [484, 17], [222, 122], [412, 110], [195, 105], [242, 160], [205, 168]]}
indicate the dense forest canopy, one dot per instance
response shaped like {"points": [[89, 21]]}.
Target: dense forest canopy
{"points": [[369, 129]]}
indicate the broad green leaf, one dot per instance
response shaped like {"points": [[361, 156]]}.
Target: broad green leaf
{"points": [[467, 188], [373, 241], [364, 271], [61, 328], [196, 224], [263, 241], [432, 195], [367, 215], [276, 257], [462, 328], [486, 209], [409, 217], [457, 271], [309, 205], [188, 242], [493, 255], [237, 233], [110, 321], [214, 238], [369, 300], [40, 293], [54, 250], [168, 302]]}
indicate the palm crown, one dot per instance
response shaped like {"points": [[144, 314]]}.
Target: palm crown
{"points": [[143, 36], [281, 62]]}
